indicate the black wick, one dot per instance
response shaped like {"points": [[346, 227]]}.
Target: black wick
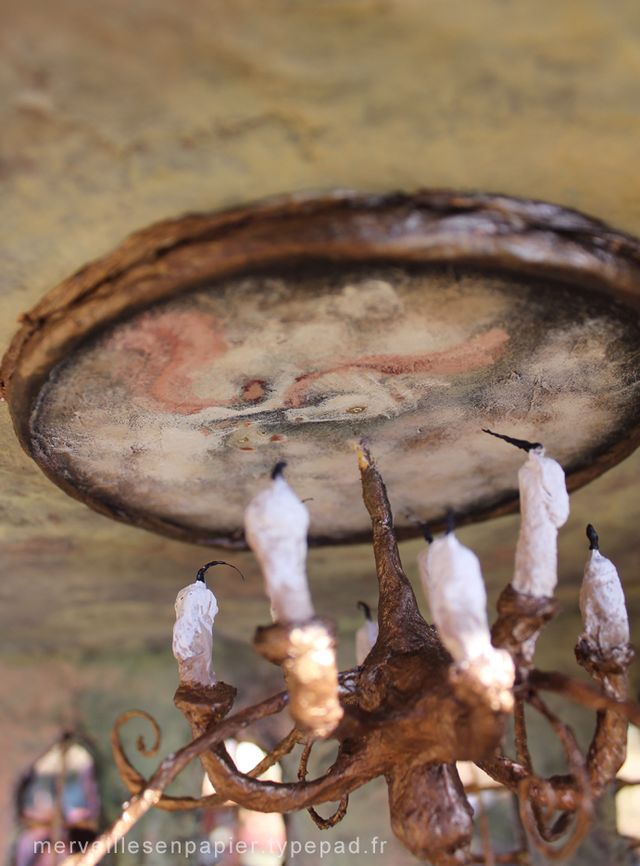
{"points": [[592, 535], [519, 443], [202, 571], [426, 533], [451, 521], [364, 607], [278, 469]]}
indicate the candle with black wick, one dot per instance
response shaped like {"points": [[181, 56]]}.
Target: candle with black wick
{"points": [[544, 508], [276, 526], [602, 604], [454, 587], [196, 608]]}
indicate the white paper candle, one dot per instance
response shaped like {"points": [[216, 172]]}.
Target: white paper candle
{"points": [[544, 508], [602, 602], [276, 525], [196, 609], [453, 585], [366, 635]]}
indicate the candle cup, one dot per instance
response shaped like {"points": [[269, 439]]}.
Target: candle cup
{"points": [[306, 653], [520, 619], [204, 705]]}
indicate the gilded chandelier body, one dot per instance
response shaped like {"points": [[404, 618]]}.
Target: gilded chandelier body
{"points": [[408, 714]]}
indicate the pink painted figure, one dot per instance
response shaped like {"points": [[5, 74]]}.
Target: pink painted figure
{"points": [[171, 361]]}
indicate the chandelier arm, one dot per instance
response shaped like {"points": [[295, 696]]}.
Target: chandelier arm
{"points": [[320, 822], [284, 747], [565, 788], [202, 709], [520, 731], [348, 772], [524, 757], [167, 771], [604, 753], [201, 715], [510, 774], [135, 781], [584, 693], [128, 773], [246, 790], [540, 834], [608, 748], [521, 618], [608, 668], [503, 770], [327, 823]]}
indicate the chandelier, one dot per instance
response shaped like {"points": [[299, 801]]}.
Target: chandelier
{"points": [[424, 696], [158, 383]]}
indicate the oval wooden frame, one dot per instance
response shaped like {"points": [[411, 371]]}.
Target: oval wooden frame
{"points": [[434, 226]]}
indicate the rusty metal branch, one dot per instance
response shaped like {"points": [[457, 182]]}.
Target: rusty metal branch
{"points": [[532, 818], [586, 694], [318, 820]]}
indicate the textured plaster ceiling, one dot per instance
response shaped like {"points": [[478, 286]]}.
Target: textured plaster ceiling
{"points": [[117, 114]]}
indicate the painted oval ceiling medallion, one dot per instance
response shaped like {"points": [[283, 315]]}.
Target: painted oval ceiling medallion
{"points": [[161, 383]]}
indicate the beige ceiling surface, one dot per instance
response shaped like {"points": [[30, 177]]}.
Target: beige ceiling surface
{"points": [[117, 114]]}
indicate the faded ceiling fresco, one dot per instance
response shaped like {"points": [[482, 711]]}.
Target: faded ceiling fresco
{"points": [[115, 114], [181, 411]]}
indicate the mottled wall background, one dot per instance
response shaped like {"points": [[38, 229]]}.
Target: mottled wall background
{"points": [[116, 114]]}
